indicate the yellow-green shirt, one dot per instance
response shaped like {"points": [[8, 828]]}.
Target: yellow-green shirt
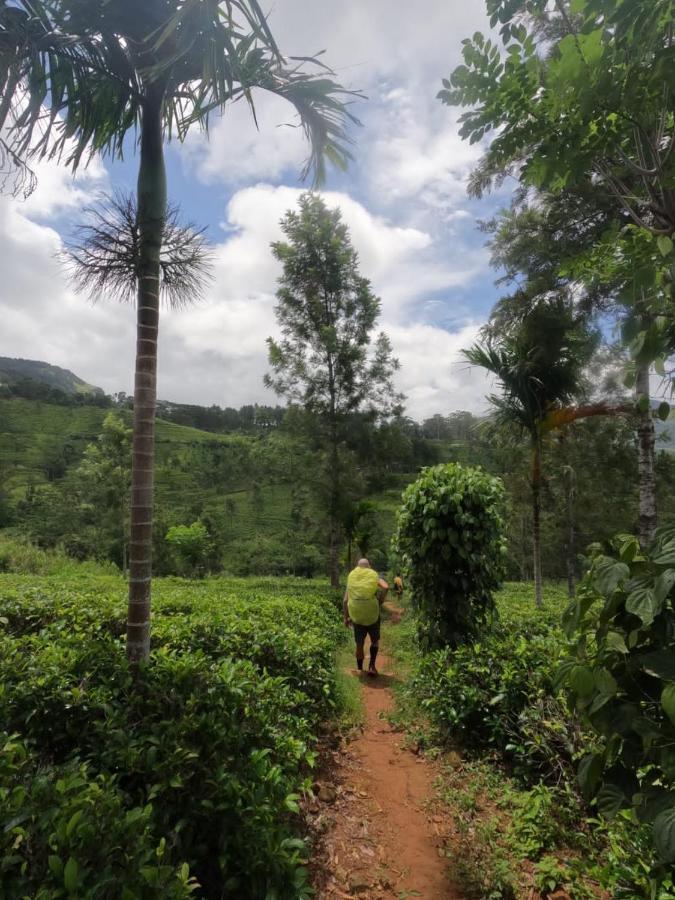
{"points": [[362, 602]]}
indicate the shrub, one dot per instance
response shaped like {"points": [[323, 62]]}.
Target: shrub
{"points": [[621, 678], [206, 754], [496, 694], [192, 546], [449, 538], [64, 832]]}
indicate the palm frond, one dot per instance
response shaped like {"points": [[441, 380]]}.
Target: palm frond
{"points": [[103, 258], [73, 75]]}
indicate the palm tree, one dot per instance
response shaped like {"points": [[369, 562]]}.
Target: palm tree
{"points": [[78, 77], [539, 363]]}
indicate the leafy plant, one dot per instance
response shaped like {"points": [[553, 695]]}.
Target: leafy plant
{"points": [[196, 775], [620, 676], [192, 545], [449, 538]]}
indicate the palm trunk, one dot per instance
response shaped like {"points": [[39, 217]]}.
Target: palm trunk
{"points": [[151, 214], [536, 521], [646, 437]]}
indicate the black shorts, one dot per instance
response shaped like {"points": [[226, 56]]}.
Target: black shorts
{"points": [[360, 632]]}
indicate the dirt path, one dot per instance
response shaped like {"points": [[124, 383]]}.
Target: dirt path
{"points": [[382, 839]]}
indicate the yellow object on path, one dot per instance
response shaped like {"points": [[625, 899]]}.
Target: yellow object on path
{"points": [[362, 602]]}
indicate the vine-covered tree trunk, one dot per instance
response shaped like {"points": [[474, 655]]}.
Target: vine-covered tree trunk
{"points": [[536, 522], [334, 536], [151, 214], [570, 489], [646, 436]]}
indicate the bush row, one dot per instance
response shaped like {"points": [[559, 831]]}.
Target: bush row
{"points": [[184, 780]]}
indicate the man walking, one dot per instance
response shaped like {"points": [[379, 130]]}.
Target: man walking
{"points": [[361, 607]]}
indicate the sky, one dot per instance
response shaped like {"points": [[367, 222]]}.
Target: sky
{"points": [[403, 198]]}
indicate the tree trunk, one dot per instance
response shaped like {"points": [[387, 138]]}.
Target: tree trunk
{"points": [[151, 214], [536, 521], [334, 523], [571, 530], [646, 437]]}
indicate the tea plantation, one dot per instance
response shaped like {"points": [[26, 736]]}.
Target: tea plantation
{"points": [[184, 782]]}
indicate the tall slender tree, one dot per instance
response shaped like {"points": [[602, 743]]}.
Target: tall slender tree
{"points": [[326, 361], [539, 364], [79, 77]]}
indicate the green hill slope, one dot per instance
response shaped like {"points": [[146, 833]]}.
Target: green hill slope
{"points": [[12, 370]]}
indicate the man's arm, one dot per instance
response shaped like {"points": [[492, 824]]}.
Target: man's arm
{"points": [[345, 609], [383, 587]]}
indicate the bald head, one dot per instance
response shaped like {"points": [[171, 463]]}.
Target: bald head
{"points": [[363, 563]]}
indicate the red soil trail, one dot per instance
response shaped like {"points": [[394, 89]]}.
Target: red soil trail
{"points": [[382, 840]]}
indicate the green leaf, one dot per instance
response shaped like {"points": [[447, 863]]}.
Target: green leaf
{"points": [[610, 800], [589, 773], [582, 681], [664, 835], [608, 573], [665, 244], [616, 642], [663, 412], [55, 866], [605, 682], [643, 604], [668, 701], [70, 874]]}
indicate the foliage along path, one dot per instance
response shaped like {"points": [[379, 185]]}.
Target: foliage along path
{"points": [[382, 839]]}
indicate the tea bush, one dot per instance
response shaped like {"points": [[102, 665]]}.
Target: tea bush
{"points": [[449, 537], [205, 755], [497, 692]]}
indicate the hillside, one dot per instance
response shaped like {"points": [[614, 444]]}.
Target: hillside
{"points": [[12, 370], [251, 488]]}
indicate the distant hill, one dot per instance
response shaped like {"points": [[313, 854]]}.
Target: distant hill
{"points": [[12, 370]]}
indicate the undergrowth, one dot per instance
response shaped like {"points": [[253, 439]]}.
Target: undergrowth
{"points": [[520, 823]]}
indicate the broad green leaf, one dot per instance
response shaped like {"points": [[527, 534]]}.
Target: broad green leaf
{"points": [[582, 681], [70, 873], [664, 584], [663, 411], [616, 642], [605, 682], [668, 701], [643, 604], [608, 574], [55, 866], [664, 835], [666, 555], [589, 773], [665, 244], [610, 800]]}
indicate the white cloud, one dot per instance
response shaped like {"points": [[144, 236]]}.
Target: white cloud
{"points": [[408, 147], [237, 151], [403, 199], [434, 376], [215, 352], [60, 192]]}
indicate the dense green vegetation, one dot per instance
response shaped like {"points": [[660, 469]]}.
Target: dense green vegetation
{"points": [[450, 540], [510, 775], [112, 789]]}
